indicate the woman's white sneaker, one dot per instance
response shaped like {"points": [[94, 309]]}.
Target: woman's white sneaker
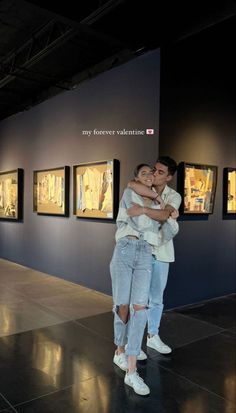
{"points": [[136, 382], [121, 361], [158, 345]]}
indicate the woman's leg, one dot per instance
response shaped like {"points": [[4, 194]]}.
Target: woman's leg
{"points": [[139, 299], [121, 275], [138, 315]]}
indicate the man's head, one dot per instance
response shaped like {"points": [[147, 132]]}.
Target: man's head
{"points": [[164, 170]]}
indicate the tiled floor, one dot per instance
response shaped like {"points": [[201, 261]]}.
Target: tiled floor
{"points": [[56, 349]]}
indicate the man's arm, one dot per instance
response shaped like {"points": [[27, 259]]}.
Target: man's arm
{"points": [[170, 208], [139, 221], [155, 214], [142, 190], [160, 215]]}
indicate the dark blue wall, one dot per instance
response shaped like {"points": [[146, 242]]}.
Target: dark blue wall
{"points": [[198, 124], [50, 135]]}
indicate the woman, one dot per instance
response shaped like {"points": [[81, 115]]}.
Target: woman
{"points": [[131, 268]]}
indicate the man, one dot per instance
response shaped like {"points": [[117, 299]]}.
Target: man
{"points": [[164, 171]]}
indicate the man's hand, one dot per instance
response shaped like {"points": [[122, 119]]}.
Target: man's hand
{"points": [[135, 210], [174, 214], [158, 200]]}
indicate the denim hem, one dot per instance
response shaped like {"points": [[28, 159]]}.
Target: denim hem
{"points": [[132, 353]]}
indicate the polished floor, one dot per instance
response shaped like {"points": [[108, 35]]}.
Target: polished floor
{"points": [[56, 350]]}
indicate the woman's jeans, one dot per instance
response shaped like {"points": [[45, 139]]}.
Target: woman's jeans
{"points": [[159, 278], [131, 268]]}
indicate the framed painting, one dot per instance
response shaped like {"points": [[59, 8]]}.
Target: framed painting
{"points": [[11, 195], [96, 189], [51, 191], [197, 185], [229, 191]]}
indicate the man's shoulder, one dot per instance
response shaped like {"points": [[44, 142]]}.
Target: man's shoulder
{"points": [[170, 191], [172, 197]]}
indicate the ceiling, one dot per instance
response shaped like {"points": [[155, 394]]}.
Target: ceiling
{"points": [[48, 47]]}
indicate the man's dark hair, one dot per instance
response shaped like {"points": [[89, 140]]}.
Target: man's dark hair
{"points": [[138, 167], [169, 162]]}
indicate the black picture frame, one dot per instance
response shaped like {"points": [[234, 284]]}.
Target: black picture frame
{"points": [[229, 191], [197, 185], [11, 194], [51, 191], [96, 190]]}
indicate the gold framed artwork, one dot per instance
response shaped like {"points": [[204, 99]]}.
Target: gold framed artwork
{"points": [[197, 185], [51, 191], [11, 194], [96, 189], [229, 190]]}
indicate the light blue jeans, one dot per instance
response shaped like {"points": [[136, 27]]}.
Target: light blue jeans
{"points": [[131, 268], [160, 271]]}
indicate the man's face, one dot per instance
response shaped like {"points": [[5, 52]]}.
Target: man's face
{"points": [[161, 175]]}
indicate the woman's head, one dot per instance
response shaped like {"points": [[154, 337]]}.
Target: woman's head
{"points": [[143, 173]]}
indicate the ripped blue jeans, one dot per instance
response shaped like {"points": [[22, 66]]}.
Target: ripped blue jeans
{"points": [[131, 269]]}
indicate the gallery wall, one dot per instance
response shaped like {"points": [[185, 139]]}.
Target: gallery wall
{"points": [[51, 135], [198, 124]]}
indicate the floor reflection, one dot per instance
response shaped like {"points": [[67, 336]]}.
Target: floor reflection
{"points": [[8, 321], [230, 386], [197, 404], [47, 357], [90, 393]]}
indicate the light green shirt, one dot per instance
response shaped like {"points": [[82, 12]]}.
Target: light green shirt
{"points": [[165, 252]]}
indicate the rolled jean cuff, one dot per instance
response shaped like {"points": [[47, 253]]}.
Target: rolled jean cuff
{"points": [[132, 353]]}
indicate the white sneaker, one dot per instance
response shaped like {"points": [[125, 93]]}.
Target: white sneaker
{"points": [[142, 356], [136, 382], [121, 361], [158, 345]]}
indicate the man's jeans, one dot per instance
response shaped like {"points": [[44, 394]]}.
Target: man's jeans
{"points": [[131, 268], [160, 271]]}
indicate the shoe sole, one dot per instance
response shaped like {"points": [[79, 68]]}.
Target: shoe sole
{"points": [[140, 394], [161, 352]]}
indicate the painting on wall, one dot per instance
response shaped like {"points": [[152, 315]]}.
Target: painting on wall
{"points": [[96, 189], [197, 185], [11, 194], [51, 191], [229, 190]]}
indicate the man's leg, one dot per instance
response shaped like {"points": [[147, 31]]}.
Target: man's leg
{"points": [[160, 271]]}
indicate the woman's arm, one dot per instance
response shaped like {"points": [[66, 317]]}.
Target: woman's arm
{"points": [[142, 190]]}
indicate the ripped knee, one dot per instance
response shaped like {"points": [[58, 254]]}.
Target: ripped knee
{"points": [[138, 307], [123, 312]]}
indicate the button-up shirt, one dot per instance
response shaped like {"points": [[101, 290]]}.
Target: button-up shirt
{"points": [[165, 252]]}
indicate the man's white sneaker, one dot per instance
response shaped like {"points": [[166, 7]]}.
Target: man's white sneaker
{"points": [[121, 361], [142, 356], [158, 345], [136, 382]]}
